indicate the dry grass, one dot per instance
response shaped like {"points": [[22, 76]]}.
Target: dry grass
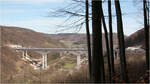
{"points": [[78, 76], [135, 67]]}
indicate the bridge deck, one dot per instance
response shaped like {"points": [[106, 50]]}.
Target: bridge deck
{"points": [[52, 49]]}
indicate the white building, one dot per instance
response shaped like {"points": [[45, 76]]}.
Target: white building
{"points": [[135, 49]]}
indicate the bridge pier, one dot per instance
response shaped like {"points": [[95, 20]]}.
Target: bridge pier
{"points": [[61, 54], [44, 61], [78, 54], [26, 54], [23, 54], [46, 66], [78, 59]]}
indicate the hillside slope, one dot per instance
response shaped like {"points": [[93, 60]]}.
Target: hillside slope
{"points": [[8, 63], [136, 39], [26, 37], [11, 63]]}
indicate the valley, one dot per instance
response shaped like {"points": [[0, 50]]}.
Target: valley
{"points": [[16, 69]]}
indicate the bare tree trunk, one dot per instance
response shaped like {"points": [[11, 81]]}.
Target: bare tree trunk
{"points": [[107, 45], [146, 27], [88, 37], [111, 37], [97, 58], [121, 41]]}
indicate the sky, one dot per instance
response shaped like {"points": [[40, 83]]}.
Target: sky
{"points": [[33, 14]]}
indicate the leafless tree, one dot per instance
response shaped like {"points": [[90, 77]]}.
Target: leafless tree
{"points": [[88, 38], [111, 36], [121, 41], [107, 46], [97, 50], [146, 27]]}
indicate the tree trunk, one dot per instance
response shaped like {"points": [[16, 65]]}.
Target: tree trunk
{"points": [[97, 50], [88, 37], [146, 27], [111, 37], [107, 46], [121, 41]]}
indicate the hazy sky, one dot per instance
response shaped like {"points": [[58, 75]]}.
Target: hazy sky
{"points": [[33, 14]]}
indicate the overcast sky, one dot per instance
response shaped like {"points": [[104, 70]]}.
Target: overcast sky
{"points": [[33, 14]]}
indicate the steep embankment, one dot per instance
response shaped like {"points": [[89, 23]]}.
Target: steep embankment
{"points": [[8, 63], [136, 39]]}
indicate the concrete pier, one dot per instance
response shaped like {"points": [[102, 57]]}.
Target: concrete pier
{"points": [[44, 60], [23, 56], [78, 59]]}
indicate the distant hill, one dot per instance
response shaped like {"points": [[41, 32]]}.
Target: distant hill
{"points": [[74, 37], [79, 38], [136, 39], [26, 37]]}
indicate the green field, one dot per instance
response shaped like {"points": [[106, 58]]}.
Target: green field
{"points": [[70, 44]]}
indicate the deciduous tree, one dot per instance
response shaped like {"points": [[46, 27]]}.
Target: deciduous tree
{"points": [[97, 50], [121, 41], [146, 27], [88, 36]]}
